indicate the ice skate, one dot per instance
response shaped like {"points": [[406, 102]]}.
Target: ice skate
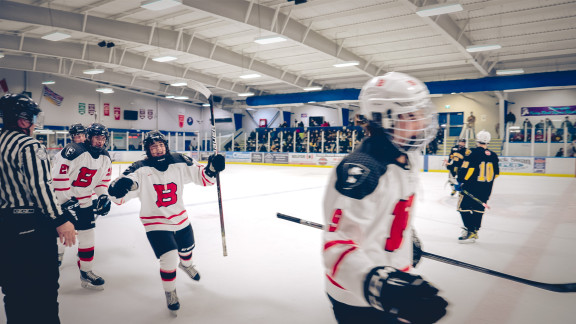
{"points": [[90, 280], [190, 271], [467, 236], [172, 302]]}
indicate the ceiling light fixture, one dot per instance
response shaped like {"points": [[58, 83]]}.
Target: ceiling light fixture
{"points": [[312, 88], [482, 48], [347, 63], [206, 105], [48, 82], [510, 71], [179, 83], [56, 36], [163, 59], [441, 9], [250, 76], [170, 96], [159, 4], [181, 98], [93, 71], [1, 55], [105, 90], [245, 94], [265, 40]]}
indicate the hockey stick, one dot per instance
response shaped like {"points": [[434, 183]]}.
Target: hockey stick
{"points": [[561, 287], [204, 91], [475, 199]]}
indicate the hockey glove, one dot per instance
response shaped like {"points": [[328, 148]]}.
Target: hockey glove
{"points": [[216, 163], [405, 295], [70, 208], [458, 187], [120, 187], [102, 205], [416, 249]]}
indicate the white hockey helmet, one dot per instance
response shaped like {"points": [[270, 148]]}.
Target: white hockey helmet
{"points": [[395, 100], [483, 137]]}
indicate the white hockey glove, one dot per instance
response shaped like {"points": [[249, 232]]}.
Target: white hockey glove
{"points": [[405, 295]]}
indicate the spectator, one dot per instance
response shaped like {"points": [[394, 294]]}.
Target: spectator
{"points": [[301, 124], [510, 118], [527, 124], [560, 152]]}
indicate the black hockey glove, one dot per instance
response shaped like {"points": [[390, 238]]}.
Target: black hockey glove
{"points": [[405, 295], [216, 163], [416, 249], [70, 208], [102, 205], [120, 187]]}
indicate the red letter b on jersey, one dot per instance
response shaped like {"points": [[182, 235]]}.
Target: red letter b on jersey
{"points": [[166, 194]]}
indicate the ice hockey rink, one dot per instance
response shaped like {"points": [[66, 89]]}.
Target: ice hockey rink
{"points": [[273, 272]]}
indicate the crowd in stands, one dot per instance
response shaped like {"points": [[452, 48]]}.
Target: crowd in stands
{"points": [[542, 129]]}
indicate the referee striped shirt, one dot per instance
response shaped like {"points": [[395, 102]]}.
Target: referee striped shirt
{"points": [[25, 179]]}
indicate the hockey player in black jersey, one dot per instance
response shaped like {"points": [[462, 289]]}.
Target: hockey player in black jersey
{"points": [[454, 162], [158, 181], [476, 176], [369, 243]]}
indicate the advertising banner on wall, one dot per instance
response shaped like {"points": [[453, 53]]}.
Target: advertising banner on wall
{"points": [[539, 165], [516, 164], [238, 156], [106, 109], [81, 108], [328, 159], [276, 158], [117, 113], [302, 158], [91, 109]]}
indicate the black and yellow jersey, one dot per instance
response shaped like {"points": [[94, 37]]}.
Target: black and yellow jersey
{"points": [[478, 171]]}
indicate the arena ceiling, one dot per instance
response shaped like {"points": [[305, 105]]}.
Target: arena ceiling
{"points": [[213, 42]]}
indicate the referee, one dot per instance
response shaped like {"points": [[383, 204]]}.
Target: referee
{"points": [[29, 218]]}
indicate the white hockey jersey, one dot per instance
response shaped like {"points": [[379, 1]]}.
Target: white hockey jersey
{"points": [[80, 173], [161, 191], [367, 208]]}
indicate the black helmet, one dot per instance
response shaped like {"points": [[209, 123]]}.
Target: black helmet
{"points": [[154, 136], [18, 106], [76, 129], [463, 140], [97, 129]]}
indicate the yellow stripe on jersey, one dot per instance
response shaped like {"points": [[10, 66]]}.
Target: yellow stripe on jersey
{"points": [[469, 173]]}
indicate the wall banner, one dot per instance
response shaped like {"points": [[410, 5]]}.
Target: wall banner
{"points": [[106, 109], [91, 109], [548, 111], [81, 108], [150, 113], [142, 113], [117, 113]]}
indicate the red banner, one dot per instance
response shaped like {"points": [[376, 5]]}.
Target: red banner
{"points": [[4, 85], [181, 121], [106, 109], [117, 113]]}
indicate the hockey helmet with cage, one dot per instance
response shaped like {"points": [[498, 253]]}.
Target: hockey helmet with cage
{"points": [[76, 129], [401, 105], [154, 136], [97, 129], [19, 106], [483, 137]]}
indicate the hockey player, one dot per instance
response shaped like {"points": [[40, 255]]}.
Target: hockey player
{"points": [[454, 162], [29, 218], [77, 133], [80, 171], [368, 246], [159, 182], [476, 176]]}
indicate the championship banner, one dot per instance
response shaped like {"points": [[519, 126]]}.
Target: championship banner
{"points": [[106, 109], [150, 113], [117, 113], [52, 96], [91, 109], [142, 113], [548, 111], [81, 108], [181, 121], [4, 85]]}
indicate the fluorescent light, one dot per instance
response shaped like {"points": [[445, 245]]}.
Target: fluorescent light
{"points": [[1, 55], [510, 71], [179, 83], [93, 71], [55, 36], [181, 98], [270, 39], [347, 63], [170, 96], [312, 88], [435, 10], [164, 59], [206, 105], [105, 90], [245, 94], [159, 4], [250, 76], [48, 82], [482, 48]]}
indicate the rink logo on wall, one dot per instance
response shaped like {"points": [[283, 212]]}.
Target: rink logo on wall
{"points": [[513, 164], [550, 110], [190, 121], [81, 108]]}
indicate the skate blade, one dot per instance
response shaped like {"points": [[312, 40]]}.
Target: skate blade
{"points": [[174, 313], [467, 241], [91, 287]]}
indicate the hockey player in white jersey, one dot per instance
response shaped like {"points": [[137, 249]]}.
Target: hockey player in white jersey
{"points": [[80, 171], [369, 244], [159, 182]]}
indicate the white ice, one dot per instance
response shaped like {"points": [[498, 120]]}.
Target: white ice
{"points": [[273, 272]]}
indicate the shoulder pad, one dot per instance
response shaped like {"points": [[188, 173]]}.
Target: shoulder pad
{"points": [[358, 175], [181, 158], [72, 151], [132, 168]]}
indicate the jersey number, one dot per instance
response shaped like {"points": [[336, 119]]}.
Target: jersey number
{"points": [[485, 172], [166, 194], [84, 178]]}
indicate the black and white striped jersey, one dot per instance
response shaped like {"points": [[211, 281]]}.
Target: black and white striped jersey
{"points": [[25, 179]]}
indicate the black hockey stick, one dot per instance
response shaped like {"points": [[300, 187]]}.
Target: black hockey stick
{"points": [[561, 287], [475, 199], [204, 91]]}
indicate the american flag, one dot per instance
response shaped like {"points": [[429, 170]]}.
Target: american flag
{"points": [[52, 96]]}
